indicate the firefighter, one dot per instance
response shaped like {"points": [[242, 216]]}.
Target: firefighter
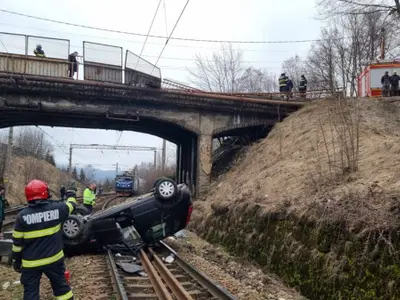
{"points": [[385, 81], [303, 86], [39, 51], [62, 193], [289, 88], [38, 242], [73, 64], [282, 83], [394, 80], [89, 197]]}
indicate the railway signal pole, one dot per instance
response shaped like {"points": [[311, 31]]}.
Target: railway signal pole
{"points": [[106, 147]]}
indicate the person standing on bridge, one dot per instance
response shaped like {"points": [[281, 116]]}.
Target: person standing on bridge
{"points": [[394, 80], [39, 51], [385, 81], [89, 197], [303, 86], [282, 83], [38, 242], [73, 64]]}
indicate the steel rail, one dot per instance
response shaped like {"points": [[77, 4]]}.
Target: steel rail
{"points": [[175, 286], [155, 279], [212, 287], [115, 277]]}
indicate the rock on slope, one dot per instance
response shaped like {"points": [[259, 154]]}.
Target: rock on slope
{"points": [[317, 201]]}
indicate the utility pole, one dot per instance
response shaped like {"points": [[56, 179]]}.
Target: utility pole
{"points": [[116, 169], [70, 162], [8, 159], [164, 156], [155, 159]]}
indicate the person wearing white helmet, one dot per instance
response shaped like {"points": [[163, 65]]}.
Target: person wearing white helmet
{"points": [[39, 51]]}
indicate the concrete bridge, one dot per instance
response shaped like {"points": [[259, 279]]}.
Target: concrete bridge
{"points": [[37, 91]]}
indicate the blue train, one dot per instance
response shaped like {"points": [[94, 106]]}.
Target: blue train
{"points": [[128, 185]]}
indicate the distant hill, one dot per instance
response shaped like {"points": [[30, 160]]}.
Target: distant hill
{"points": [[99, 174]]}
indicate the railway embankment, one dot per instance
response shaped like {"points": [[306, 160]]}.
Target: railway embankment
{"points": [[317, 202]]}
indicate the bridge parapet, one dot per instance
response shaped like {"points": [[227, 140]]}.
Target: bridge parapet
{"points": [[100, 67], [22, 64]]}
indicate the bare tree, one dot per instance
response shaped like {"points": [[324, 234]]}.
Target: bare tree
{"points": [[358, 7], [34, 169], [226, 72], [294, 67], [89, 172], [256, 80], [33, 142]]}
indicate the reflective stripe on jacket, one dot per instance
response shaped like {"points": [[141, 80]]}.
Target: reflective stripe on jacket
{"points": [[283, 80], [39, 53], [37, 237], [88, 197]]}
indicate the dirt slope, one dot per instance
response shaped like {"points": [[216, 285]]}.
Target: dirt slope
{"points": [[24, 169], [300, 163], [317, 201]]}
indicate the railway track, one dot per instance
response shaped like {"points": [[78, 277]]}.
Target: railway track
{"points": [[176, 280]]}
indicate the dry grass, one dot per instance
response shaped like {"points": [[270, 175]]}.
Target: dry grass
{"points": [[338, 158], [24, 169]]}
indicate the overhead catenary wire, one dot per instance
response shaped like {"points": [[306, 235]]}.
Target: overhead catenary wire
{"points": [[151, 26], [165, 37], [172, 31]]}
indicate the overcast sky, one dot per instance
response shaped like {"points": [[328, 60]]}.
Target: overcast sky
{"points": [[249, 20]]}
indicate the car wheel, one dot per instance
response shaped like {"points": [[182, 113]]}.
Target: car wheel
{"points": [[166, 189], [72, 227], [81, 211]]}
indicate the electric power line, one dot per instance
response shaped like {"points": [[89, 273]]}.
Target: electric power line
{"points": [[164, 37], [151, 25], [172, 31]]}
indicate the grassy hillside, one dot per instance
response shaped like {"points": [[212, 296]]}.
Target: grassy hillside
{"points": [[317, 201]]}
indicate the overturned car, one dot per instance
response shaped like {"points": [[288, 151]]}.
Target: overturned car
{"points": [[143, 220]]}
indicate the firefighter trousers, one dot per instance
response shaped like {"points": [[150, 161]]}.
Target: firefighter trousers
{"points": [[30, 279], [89, 207]]}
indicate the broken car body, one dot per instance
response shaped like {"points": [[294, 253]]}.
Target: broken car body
{"points": [[140, 220]]}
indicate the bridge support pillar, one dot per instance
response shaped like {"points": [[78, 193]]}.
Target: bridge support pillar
{"points": [[204, 164]]}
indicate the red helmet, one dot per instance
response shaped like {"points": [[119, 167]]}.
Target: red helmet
{"points": [[37, 190]]}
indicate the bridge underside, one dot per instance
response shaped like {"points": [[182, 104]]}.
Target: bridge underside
{"points": [[186, 141]]}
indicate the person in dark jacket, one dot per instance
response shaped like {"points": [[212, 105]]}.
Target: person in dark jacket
{"points": [[39, 51], [282, 83], [289, 88], [385, 81], [38, 242], [62, 193], [394, 81], [303, 86], [73, 64]]}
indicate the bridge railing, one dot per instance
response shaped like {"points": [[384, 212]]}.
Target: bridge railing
{"points": [[16, 55], [102, 62], [140, 72]]}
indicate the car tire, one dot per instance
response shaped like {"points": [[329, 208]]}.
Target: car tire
{"points": [[158, 180], [72, 227], [81, 211], [165, 189]]}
